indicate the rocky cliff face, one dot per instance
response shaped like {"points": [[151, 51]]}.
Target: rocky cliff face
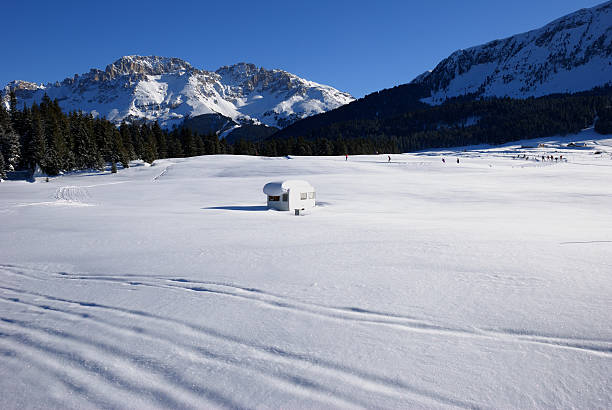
{"points": [[573, 53], [169, 90]]}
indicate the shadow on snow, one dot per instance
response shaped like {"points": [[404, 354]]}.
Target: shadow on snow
{"points": [[240, 208]]}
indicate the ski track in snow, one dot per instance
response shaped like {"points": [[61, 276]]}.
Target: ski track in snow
{"points": [[73, 194], [161, 174], [67, 195], [299, 373], [46, 346], [356, 314]]}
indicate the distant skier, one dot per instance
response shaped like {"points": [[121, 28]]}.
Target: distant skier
{"points": [[346, 157], [457, 160], [443, 160], [389, 156]]}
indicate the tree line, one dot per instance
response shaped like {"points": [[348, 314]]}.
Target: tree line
{"points": [[42, 135], [466, 121], [458, 122]]}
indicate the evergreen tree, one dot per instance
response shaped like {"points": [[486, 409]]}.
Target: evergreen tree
{"points": [[117, 151], [85, 149], [126, 142], [224, 147], [57, 156], [150, 146], [80, 141], [25, 127], [190, 149], [2, 168], [175, 148], [38, 146], [604, 121], [211, 144], [160, 141], [10, 146], [13, 107], [199, 142], [103, 136], [303, 148], [137, 141], [51, 163]]}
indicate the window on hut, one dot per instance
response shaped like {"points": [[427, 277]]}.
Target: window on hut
{"points": [[311, 195], [303, 195], [273, 198], [285, 197]]}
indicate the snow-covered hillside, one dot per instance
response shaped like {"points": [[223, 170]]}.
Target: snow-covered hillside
{"points": [[413, 284], [169, 89], [573, 53]]}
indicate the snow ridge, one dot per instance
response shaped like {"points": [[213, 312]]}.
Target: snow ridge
{"points": [[168, 90], [570, 54]]}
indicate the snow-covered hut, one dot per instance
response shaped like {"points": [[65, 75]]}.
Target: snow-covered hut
{"points": [[290, 195]]}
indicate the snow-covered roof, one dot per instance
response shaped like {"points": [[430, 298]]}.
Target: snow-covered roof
{"points": [[281, 187]]}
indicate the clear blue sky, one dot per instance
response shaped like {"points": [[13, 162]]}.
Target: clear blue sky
{"points": [[355, 46]]}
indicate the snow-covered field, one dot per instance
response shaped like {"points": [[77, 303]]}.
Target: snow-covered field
{"points": [[413, 284]]}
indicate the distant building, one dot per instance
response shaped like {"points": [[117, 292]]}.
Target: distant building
{"points": [[290, 195]]}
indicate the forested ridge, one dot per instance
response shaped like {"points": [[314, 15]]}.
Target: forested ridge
{"points": [[462, 121]]}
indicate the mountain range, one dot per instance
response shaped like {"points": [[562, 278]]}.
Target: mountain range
{"points": [[571, 54], [170, 90]]}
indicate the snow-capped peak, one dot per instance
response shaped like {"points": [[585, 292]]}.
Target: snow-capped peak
{"points": [[572, 53], [24, 85], [150, 65], [167, 90], [238, 69]]}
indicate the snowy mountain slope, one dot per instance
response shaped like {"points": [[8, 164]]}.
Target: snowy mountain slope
{"points": [[572, 53], [169, 90], [415, 284]]}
